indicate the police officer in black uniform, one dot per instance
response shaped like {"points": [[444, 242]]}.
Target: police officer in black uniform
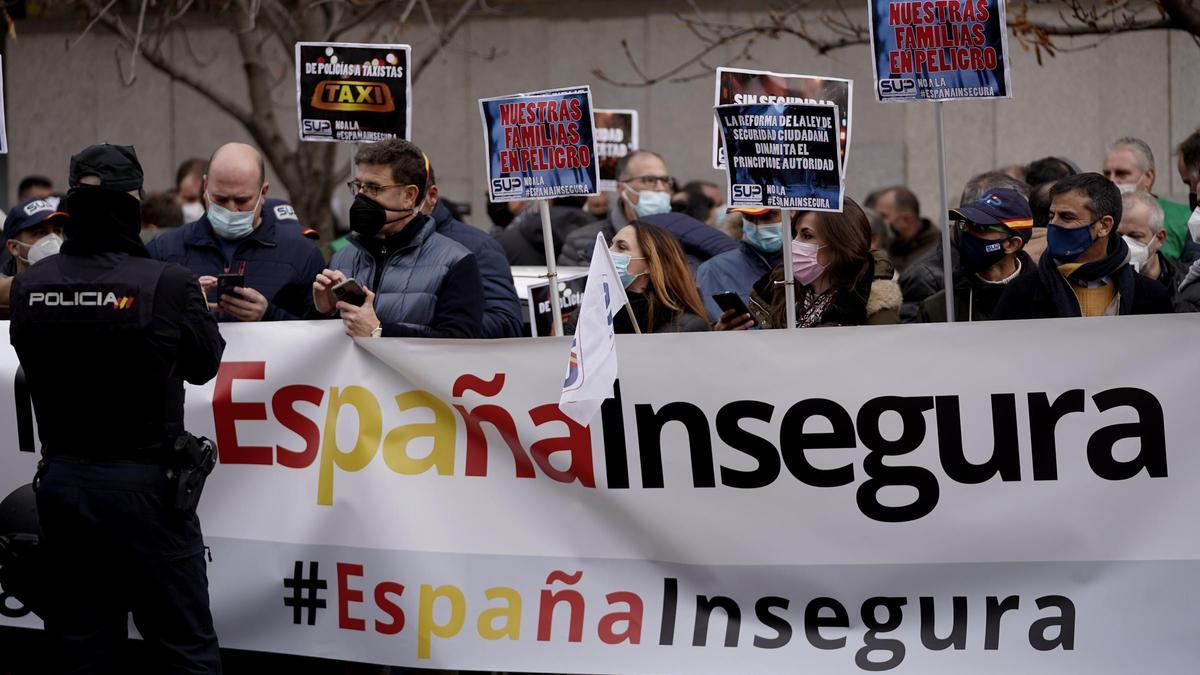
{"points": [[107, 337]]}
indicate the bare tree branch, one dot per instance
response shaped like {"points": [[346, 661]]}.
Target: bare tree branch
{"points": [[133, 52], [355, 19], [164, 65], [266, 32], [72, 43], [445, 36], [837, 29], [191, 49]]}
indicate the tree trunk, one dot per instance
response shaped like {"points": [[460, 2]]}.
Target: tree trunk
{"points": [[307, 171]]}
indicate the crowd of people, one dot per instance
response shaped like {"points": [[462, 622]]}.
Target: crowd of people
{"points": [[1045, 239], [1036, 241]]}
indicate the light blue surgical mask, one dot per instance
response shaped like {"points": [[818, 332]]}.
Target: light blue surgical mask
{"points": [[621, 262], [764, 237], [651, 203], [231, 225]]}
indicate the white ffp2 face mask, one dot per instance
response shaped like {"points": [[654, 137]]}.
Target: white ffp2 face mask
{"points": [[43, 248], [1139, 253], [1194, 225], [192, 212]]}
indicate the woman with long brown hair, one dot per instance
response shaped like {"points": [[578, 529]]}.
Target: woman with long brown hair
{"points": [[840, 281], [657, 280]]}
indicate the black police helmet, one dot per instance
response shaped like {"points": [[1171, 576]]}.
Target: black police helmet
{"points": [[22, 572]]}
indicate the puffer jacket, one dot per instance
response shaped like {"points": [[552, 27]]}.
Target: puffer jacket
{"points": [[1187, 295], [427, 286]]}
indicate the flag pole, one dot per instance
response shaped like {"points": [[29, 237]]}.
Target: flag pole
{"points": [[789, 276], [551, 265], [629, 309], [944, 214]]}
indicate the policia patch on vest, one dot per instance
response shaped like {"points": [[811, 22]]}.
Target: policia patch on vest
{"points": [[83, 303]]}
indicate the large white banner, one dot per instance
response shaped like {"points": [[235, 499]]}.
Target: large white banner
{"points": [[990, 497]]}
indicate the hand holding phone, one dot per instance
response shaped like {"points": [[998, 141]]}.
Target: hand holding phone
{"points": [[735, 316], [227, 282], [729, 301], [350, 291]]}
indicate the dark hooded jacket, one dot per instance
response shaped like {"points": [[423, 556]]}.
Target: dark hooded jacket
{"points": [[974, 298], [904, 254], [1171, 274], [1048, 294], [922, 279], [106, 371], [579, 245], [1187, 294], [502, 313], [523, 242]]}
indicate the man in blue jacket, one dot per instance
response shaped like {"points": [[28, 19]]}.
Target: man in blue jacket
{"points": [[501, 308], [737, 270], [700, 241], [241, 233]]}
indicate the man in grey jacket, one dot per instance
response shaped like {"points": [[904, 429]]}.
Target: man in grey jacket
{"points": [[417, 283]]}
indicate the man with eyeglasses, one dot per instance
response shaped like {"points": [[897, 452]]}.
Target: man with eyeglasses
{"points": [[239, 234], [990, 235], [416, 282], [644, 188]]}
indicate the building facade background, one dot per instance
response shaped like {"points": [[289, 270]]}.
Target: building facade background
{"points": [[1145, 85]]}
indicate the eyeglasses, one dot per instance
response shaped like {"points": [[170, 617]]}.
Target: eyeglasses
{"points": [[369, 189], [653, 181]]}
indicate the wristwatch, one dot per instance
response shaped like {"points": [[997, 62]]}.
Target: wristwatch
{"points": [[378, 332]]}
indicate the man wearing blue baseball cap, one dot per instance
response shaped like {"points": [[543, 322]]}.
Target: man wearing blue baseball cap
{"points": [[32, 231], [991, 233], [737, 270]]}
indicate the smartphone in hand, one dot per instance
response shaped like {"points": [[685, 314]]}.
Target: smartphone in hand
{"points": [[227, 282], [350, 291], [729, 300]]}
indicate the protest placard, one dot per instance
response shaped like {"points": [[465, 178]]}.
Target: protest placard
{"points": [[782, 156], [570, 294], [616, 136], [539, 145], [736, 85], [353, 92], [939, 51]]}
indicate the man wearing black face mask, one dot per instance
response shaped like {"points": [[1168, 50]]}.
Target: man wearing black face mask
{"points": [[991, 233], [1085, 270], [107, 337], [418, 283]]}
